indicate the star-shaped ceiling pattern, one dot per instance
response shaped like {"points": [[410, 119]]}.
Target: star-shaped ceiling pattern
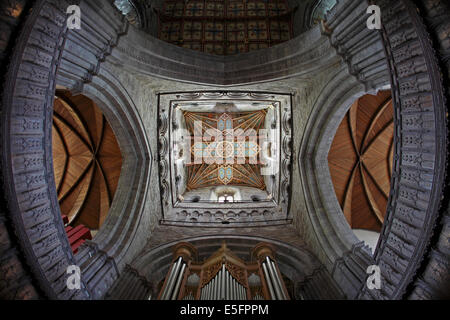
{"points": [[86, 159], [361, 160], [222, 156]]}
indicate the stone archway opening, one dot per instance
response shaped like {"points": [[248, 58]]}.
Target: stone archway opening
{"points": [[360, 162]]}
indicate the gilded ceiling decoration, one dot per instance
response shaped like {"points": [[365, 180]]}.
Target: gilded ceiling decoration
{"points": [[361, 159], [86, 158], [221, 156], [225, 27]]}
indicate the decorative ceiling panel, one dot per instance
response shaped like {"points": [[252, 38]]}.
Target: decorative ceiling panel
{"points": [[225, 27], [221, 157], [229, 139]]}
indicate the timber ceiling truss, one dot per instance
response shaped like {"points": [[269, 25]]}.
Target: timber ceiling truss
{"points": [[225, 109]]}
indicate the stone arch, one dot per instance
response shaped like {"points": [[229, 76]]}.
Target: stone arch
{"points": [[27, 155], [27, 165], [114, 101], [26, 136], [414, 202], [333, 233]]}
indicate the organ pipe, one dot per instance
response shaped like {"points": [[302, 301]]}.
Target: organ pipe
{"points": [[273, 278], [178, 283], [223, 287], [223, 270], [222, 297], [278, 279], [173, 277], [169, 279], [269, 283]]}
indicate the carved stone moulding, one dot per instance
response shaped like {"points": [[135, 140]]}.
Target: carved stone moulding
{"points": [[420, 154]]}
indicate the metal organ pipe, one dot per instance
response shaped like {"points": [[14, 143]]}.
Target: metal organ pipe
{"points": [[219, 287], [219, 284], [215, 289], [205, 292], [268, 281], [169, 280], [210, 290], [274, 280], [277, 276], [228, 286], [178, 283], [223, 286], [202, 294], [172, 278]]}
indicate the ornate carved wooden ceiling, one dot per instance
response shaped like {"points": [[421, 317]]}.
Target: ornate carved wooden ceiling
{"points": [[225, 27], [86, 159], [219, 149], [261, 162], [361, 160]]}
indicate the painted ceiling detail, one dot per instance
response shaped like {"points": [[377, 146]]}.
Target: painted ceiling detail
{"points": [[220, 145], [86, 158], [225, 27], [361, 159], [195, 159]]}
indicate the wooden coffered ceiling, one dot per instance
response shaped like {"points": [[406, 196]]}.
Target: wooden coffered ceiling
{"points": [[361, 158], [86, 159], [225, 27]]}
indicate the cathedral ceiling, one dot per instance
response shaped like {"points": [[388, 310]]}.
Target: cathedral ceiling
{"points": [[225, 158], [361, 159], [224, 27], [236, 140], [86, 158]]}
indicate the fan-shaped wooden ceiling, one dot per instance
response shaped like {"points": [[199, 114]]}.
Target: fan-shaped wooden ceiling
{"points": [[361, 158], [86, 159]]}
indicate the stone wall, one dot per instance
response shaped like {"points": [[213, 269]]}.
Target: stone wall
{"points": [[16, 281]]}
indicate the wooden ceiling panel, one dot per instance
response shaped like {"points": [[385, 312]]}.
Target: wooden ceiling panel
{"points": [[87, 160], [220, 153], [360, 161], [361, 211]]}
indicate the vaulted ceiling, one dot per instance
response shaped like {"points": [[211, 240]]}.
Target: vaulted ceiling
{"points": [[86, 159], [225, 155], [360, 161]]}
